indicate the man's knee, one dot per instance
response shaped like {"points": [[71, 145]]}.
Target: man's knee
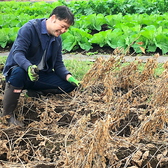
{"points": [[17, 77]]}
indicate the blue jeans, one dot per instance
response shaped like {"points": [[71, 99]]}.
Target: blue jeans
{"points": [[18, 77]]}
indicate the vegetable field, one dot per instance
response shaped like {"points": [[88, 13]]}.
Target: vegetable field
{"points": [[138, 27]]}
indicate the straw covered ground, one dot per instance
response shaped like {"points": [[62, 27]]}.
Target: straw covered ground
{"points": [[118, 118]]}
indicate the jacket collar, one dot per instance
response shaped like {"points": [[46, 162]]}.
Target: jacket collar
{"points": [[40, 26]]}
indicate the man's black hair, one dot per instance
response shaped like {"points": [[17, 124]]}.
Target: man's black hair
{"points": [[63, 13]]}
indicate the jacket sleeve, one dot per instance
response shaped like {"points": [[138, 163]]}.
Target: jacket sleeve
{"points": [[21, 46]]}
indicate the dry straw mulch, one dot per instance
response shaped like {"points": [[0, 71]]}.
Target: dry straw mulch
{"points": [[117, 118]]}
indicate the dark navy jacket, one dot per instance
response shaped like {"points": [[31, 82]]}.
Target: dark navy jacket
{"points": [[29, 46]]}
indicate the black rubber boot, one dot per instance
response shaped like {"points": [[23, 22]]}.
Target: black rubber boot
{"points": [[10, 101], [51, 91], [37, 94], [33, 94]]}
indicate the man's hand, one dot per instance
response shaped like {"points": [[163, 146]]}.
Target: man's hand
{"points": [[74, 81], [33, 73]]}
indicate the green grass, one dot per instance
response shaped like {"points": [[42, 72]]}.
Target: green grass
{"points": [[3, 59], [158, 70], [80, 68]]}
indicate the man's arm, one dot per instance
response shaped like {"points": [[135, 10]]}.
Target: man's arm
{"points": [[21, 46]]}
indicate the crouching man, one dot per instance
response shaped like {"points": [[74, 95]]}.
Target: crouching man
{"points": [[35, 60]]}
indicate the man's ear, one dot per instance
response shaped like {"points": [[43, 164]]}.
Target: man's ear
{"points": [[53, 18]]}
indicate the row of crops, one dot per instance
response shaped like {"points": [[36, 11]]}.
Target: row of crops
{"points": [[141, 25]]}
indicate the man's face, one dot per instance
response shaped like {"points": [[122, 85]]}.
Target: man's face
{"points": [[57, 27]]}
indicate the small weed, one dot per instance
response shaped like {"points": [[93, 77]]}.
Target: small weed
{"points": [[91, 53]]}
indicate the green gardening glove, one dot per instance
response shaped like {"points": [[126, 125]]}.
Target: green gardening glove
{"points": [[73, 81], [33, 73]]}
